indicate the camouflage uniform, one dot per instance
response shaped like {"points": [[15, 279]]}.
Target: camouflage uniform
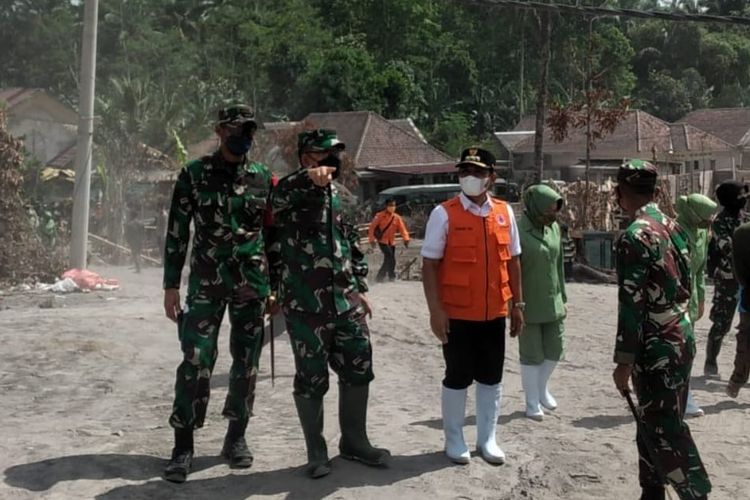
{"points": [[741, 247], [227, 204], [725, 286], [654, 335], [319, 270]]}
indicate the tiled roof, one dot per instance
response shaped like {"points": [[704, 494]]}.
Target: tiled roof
{"points": [[64, 158], [636, 136], [731, 124], [376, 143], [16, 95], [61, 112], [688, 138], [526, 123]]}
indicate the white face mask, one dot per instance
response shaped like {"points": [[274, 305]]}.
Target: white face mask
{"points": [[472, 186]]}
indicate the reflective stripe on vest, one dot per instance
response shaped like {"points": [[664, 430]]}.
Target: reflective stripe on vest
{"points": [[474, 280]]}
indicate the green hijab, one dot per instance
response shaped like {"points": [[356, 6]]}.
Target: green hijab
{"points": [[537, 199], [694, 209]]}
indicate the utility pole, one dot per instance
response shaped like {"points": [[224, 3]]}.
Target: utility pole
{"points": [[80, 226]]}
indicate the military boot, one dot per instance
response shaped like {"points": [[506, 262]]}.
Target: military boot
{"points": [[235, 447], [310, 411], [181, 462], [354, 444], [710, 368]]}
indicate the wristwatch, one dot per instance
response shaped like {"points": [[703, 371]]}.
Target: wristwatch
{"points": [[520, 305]]}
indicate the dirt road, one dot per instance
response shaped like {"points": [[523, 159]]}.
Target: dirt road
{"points": [[87, 388]]}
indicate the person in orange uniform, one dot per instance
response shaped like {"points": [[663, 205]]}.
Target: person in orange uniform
{"points": [[471, 271], [383, 229]]}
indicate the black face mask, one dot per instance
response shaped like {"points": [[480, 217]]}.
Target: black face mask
{"points": [[238, 145], [735, 206]]}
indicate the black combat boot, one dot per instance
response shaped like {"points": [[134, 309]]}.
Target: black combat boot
{"points": [[310, 411], [354, 444], [652, 493], [235, 448], [710, 368], [181, 462]]}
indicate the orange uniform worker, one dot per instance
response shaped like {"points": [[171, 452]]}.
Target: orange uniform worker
{"points": [[470, 272], [383, 229]]}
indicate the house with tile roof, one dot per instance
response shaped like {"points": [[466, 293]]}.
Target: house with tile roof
{"points": [[731, 124], [676, 148], [47, 126]]}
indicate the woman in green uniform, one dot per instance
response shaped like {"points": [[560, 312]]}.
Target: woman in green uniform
{"points": [[541, 343], [694, 214]]}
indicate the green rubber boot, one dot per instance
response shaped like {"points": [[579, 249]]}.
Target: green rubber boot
{"points": [[354, 444], [310, 413]]}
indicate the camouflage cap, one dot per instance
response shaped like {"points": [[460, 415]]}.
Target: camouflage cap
{"points": [[236, 115], [319, 140], [638, 174], [478, 157]]}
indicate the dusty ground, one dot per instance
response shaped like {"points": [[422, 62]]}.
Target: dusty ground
{"points": [[87, 388]]}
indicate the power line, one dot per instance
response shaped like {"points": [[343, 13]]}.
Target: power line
{"points": [[593, 11]]}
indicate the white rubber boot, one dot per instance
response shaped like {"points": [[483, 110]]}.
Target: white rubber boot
{"points": [[691, 408], [545, 398], [530, 381], [454, 414], [489, 398]]}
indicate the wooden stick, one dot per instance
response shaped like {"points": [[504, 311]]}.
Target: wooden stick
{"points": [[122, 248]]}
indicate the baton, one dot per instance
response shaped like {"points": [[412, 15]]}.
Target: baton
{"points": [[649, 444]]}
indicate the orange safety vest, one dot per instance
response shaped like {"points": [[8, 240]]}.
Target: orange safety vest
{"points": [[474, 280]]}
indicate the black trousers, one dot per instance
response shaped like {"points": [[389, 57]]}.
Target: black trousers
{"points": [[389, 262], [475, 352]]}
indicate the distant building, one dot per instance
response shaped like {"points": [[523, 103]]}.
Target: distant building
{"points": [[47, 127], [676, 148]]}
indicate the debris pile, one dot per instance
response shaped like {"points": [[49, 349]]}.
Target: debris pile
{"points": [[603, 213], [23, 257]]}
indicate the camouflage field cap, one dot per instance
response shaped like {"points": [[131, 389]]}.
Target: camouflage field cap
{"points": [[236, 115], [478, 157], [319, 140], [638, 173]]}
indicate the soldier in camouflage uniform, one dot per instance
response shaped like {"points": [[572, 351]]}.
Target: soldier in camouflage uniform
{"points": [[741, 247], [319, 271], [732, 197], [655, 343], [226, 197]]}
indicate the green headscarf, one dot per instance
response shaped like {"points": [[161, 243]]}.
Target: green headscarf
{"points": [[537, 199], [694, 210]]}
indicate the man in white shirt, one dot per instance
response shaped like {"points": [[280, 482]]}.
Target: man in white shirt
{"points": [[470, 273]]}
